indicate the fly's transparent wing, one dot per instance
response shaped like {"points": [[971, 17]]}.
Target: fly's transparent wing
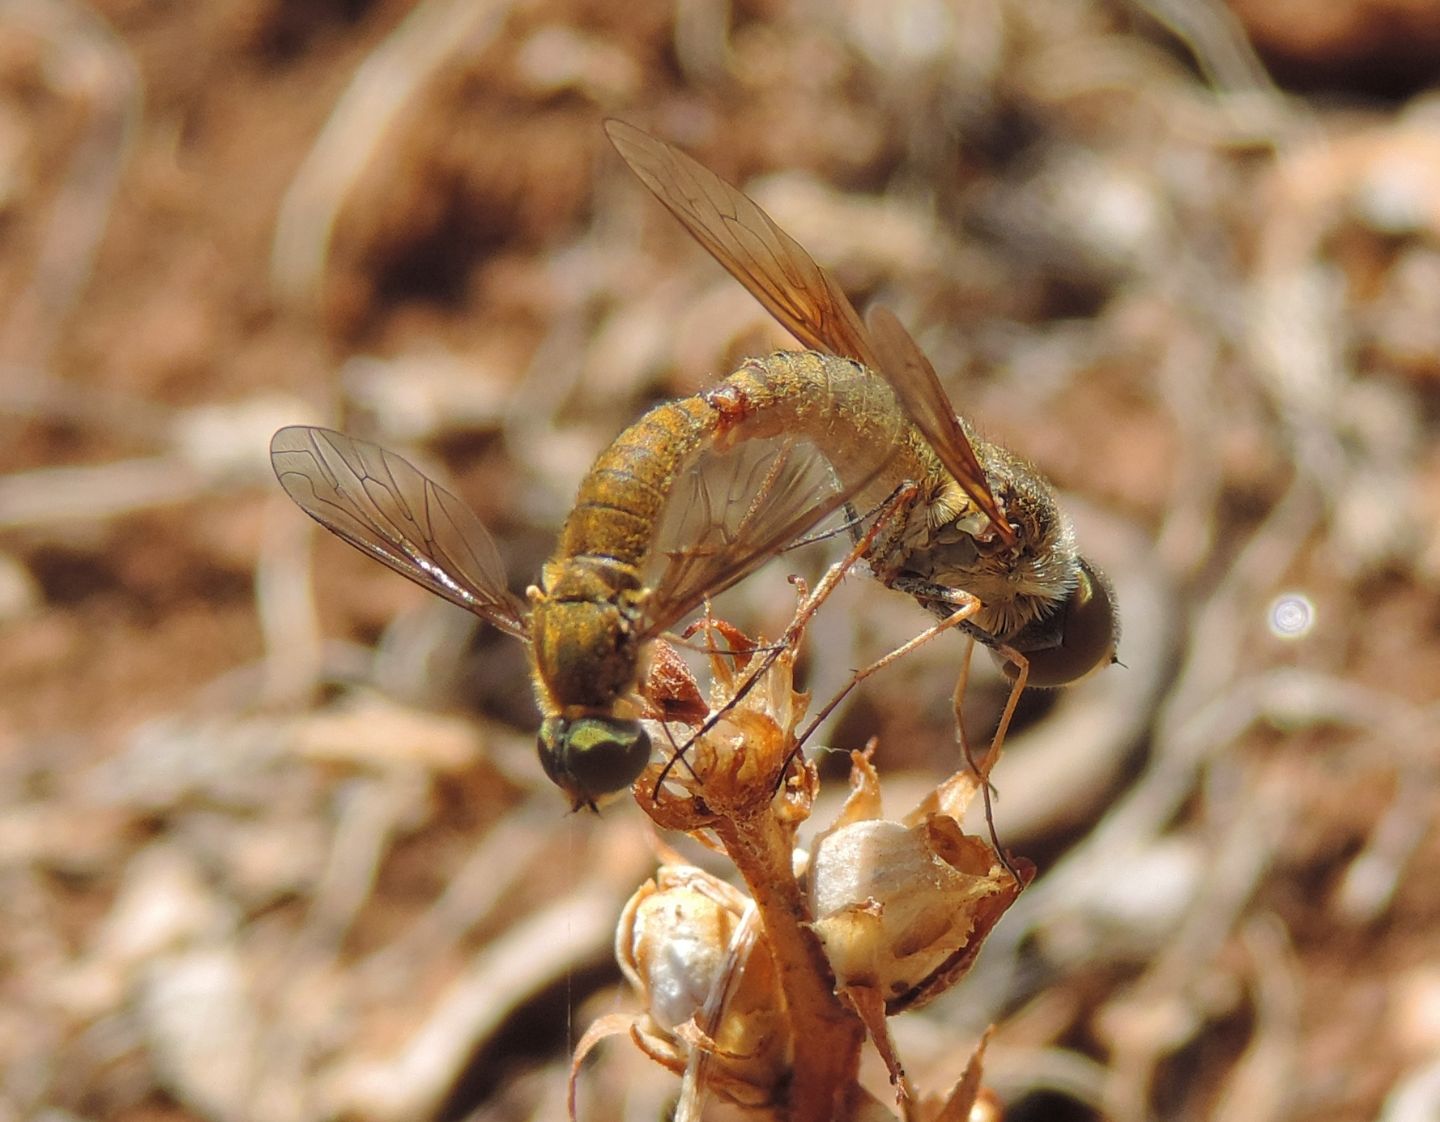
{"points": [[382, 505], [802, 296], [729, 513], [915, 382], [773, 266]]}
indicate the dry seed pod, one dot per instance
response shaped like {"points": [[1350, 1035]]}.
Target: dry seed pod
{"points": [[744, 764], [689, 945], [902, 908]]}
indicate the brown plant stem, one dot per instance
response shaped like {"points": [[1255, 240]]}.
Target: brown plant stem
{"points": [[827, 1035]]}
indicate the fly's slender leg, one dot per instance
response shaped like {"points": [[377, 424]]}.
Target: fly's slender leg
{"points": [[997, 739], [956, 618], [899, 501]]}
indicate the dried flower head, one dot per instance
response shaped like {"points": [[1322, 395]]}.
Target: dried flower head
{"points": [[744, 754], [765, 999], [691, 946], [902, 907]]}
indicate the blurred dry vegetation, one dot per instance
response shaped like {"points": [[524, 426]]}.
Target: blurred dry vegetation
{"points": [[281, 850]]}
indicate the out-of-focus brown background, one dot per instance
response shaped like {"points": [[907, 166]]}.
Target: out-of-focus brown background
{"points": [[280, 849]]}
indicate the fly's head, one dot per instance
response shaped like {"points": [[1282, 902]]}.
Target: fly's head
{"points": [[1077, 636], [593, 755], [1061, 613]]}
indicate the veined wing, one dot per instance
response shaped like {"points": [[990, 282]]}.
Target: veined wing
{"points": [[730, 512], [915, 382], [806, 299], [773, 266], [382, 505]]}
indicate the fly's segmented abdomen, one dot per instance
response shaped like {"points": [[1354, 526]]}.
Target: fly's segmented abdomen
{"points": [[849, 415], [621, 498], [600, 596]]}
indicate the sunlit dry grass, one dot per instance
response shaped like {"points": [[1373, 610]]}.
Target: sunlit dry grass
{"points": [[279, 847]]}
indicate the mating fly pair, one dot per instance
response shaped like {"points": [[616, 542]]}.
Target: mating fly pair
{"points": [[699, 492]]}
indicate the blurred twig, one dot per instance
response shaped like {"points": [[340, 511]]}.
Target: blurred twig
{"points": [[379, 90], [89, 63]]}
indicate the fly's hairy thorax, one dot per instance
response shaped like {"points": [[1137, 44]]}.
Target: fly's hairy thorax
{"points": [[943, 543], [582, 637]]}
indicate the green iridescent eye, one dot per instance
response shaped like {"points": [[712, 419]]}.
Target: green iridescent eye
{"points": [[589, 757]]}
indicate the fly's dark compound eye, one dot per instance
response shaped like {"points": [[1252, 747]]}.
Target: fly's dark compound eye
{"points": [[590, 757], [1088, 625]]}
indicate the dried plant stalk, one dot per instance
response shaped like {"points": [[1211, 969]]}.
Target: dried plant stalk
{"points": [[766, 997]]}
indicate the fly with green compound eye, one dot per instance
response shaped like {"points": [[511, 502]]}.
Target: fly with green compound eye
{"points": [[699, 492], [682, 474]]}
